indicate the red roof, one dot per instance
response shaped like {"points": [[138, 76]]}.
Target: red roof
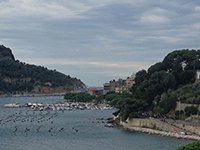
{"points": [[94, 89]]}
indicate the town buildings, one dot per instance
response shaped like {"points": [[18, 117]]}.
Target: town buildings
{"points": [[121, 85]]}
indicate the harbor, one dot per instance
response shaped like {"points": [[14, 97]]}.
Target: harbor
{"points": [[60, 106]]}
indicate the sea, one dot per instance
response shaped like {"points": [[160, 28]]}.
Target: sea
{"points": [[25, 129]]}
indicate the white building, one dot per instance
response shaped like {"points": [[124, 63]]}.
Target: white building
{"points": [[198, 75]]}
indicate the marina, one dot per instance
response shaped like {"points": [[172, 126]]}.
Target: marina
{"points": [[60, 106]]}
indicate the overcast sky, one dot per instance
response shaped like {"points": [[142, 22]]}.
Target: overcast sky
{"points": [[97, 41]]}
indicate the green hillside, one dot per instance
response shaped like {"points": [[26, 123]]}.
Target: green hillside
{"points": [[161, 86], [16, 76], [155, 85]]}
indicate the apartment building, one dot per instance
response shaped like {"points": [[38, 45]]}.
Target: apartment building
{"points": [[121, 85]]}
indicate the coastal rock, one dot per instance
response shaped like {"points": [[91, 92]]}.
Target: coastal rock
{"points": [[159, 133], [113, 121]]}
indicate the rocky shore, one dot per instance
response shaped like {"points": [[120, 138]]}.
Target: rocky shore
{"points": [[160, 133], [126, 126]]}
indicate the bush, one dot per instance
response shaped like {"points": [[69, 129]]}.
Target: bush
{"points": [[191, 146], [190, 110], [178, 113]]}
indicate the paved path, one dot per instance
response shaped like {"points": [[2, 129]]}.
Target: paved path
{"points": [[170, 127]]}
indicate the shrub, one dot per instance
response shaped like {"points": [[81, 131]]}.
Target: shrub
{"points": [[190, 110], [191, 146]]}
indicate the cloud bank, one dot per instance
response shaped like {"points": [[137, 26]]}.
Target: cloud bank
{"points": [[98, 41]]}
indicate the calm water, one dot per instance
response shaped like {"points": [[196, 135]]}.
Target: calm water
{"points": [[71, 130]]}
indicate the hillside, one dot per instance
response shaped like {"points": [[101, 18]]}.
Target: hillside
{"points": [[155, 85], [159, 88], [18, 78]]}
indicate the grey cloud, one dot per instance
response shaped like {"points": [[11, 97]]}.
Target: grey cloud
{"points": [[99, 31]]}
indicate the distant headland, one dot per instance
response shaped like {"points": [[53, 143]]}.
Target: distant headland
{"points": [[19, 78]]}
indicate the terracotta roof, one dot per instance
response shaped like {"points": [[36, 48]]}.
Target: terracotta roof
{"points": [[94, 89]]}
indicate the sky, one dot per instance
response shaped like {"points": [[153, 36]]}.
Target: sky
{"points": [[98, 41]]}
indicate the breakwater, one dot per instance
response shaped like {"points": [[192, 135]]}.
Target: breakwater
{"points": [[192, 128], [156, 127]]}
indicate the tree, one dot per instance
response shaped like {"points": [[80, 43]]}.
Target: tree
{"points": [[190, 146], [126, 104], [79, 97], [169, 81], [190, 110], [99, 98], [167, 103], [156, 68]]}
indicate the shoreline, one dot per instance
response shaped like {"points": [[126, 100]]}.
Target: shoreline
{"points": [[33, 95], [158, 132]]}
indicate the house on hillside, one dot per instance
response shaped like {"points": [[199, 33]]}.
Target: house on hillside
{"points": [[130, 81], [198, 75]]}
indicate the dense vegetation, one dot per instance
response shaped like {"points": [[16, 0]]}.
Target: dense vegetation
{"points": [[191, 146], [127, 105], [162, 85], [79, 97], [6, 53], [189, 93], [157, 85], [18, 76]]}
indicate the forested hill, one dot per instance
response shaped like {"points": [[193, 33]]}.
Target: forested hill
{"points": [[18, 78], [159, 88]]}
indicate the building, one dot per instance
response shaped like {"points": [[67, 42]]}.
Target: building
{"points": [[95, 92], [198, 75], [121, 89], [106, 87], [113, 84], [130, 81], [121, 85]]}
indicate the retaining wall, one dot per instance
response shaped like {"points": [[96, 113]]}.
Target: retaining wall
{"points": [[150, 123], [162, 126]]}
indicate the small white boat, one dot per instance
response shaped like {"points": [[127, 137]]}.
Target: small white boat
{"points": [[12, 105], [109, 125]]}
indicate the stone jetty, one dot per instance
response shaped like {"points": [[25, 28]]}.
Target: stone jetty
{"points": [[158, 132]]}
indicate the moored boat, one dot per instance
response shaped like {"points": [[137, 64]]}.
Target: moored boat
{"points": [[12, 105]]}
